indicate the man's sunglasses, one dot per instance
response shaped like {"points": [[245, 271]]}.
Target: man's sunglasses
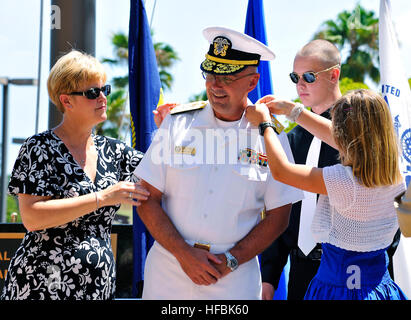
{"points": [[94, 93], [308, 76]]}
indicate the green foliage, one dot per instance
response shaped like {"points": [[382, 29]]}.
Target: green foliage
{"points": [[120, 82], [202, 96], [358, 31], [290, 126], [12, 206], [120, 45], [347, 84], [166, 57], [118, 120]]}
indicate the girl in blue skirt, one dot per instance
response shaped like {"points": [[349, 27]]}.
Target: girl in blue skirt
{"points": [[355, 219]]}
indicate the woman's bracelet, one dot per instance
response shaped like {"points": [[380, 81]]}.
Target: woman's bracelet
{"points": [[95, 195], [295, 112]]}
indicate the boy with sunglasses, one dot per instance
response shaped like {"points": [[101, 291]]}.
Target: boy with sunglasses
{"points": [[316, 74]]}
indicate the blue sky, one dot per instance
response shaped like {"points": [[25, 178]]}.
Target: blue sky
{"points": [[290, 24]]}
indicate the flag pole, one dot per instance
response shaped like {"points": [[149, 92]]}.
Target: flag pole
{"points": [[152, 13], [39, 68], [144, 93]]}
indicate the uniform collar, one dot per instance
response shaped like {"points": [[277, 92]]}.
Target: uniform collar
{"points": [[206, 118]]}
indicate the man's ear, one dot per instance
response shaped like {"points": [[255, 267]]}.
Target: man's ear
{"points": [[253, 82], [335, 75]]}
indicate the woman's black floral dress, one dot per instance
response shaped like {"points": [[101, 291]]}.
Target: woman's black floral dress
{"points": [[74, 260]]}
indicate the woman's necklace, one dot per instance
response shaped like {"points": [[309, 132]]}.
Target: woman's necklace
{"points": [[81, 159], [79, 156]]}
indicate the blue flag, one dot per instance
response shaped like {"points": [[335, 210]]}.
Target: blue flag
{"points": [[144, 88], [255, 27]]}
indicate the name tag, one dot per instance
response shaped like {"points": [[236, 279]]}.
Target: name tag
{"points": [[185, 150]]}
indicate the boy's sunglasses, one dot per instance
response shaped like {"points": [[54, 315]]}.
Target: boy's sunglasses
{"points": [[308, 76], [94, 93]]}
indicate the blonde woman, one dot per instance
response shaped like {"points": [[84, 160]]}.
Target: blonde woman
{"points": [[69, 184], [355, 218]]}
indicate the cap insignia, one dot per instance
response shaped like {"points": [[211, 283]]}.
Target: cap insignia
{"points": [[221, 46]]}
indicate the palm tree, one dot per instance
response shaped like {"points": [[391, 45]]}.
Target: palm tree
{"points": [[357, 31], [166, 57], [118, 122], [200, 96]]}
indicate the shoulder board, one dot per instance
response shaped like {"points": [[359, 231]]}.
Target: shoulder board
{"points": [[278, 126], [181, 108]]}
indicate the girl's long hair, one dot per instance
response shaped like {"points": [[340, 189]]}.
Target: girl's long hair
{"points": [[364, 132]]}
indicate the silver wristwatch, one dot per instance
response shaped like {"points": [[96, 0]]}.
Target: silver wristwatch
{"points": [[232, 262]]}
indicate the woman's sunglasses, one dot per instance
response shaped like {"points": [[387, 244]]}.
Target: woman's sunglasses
{"points": [[94, 93], [308, 76]]}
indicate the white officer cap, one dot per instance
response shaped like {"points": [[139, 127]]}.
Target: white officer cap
{"points": [[231, 51]]}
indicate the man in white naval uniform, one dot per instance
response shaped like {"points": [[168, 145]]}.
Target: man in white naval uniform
{"points": [[207, 174]]}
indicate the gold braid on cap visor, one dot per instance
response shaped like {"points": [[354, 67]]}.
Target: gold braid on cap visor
{"points": [[220, 68], [235, 62]]}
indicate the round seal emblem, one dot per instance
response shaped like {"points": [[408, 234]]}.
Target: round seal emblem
{"points": [[406, 144]]}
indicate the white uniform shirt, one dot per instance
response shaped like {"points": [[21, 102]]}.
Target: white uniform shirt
{"points": [[211, 193], [207, 199]]}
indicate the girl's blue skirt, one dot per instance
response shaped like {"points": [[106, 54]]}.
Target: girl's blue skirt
{"points": [[351, 275]]}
